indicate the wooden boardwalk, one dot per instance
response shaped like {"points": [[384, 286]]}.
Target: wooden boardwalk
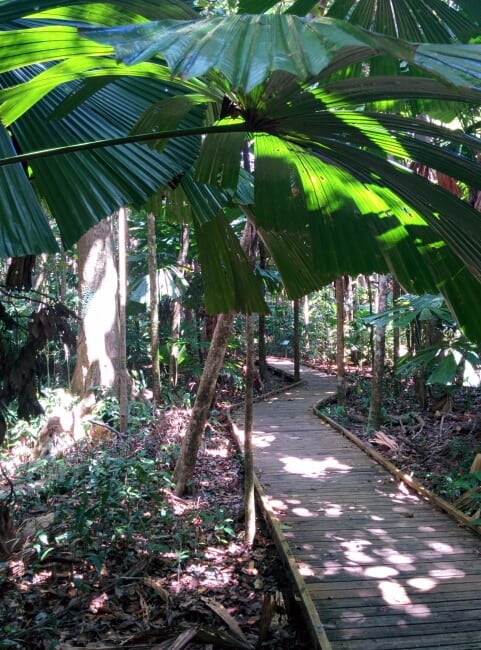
{"points": [[385, 569]]}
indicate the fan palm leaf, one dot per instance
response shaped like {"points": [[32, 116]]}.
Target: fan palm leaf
{"points": [[330, 195]]}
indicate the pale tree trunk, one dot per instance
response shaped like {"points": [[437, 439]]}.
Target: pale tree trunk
{"points": [[296, 345], [177, 310], [249, 495], [340, 353], [374, 419], [39, 280], [154, 307], [98, 348], [123, 372], [184, 469]]}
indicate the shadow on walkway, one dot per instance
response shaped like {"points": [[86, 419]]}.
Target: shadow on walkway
{"points": [[384, 568]]}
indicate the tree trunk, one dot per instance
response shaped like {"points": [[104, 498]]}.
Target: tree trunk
{"points": [[98, 348], [123, 372], [396, 294], [154, 307], [371, 312], [306, 319], [39, 280], [177, 310], [249, 245], [296, 345], [341, 369], [184, 469], [261, 348], [374, 419], [249, 497]]}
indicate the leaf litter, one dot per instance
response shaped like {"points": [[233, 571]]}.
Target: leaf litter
{"points": [[105, 556]]}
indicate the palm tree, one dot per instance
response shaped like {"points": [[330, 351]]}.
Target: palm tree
{"points": [[326, 172], [330, 132]]}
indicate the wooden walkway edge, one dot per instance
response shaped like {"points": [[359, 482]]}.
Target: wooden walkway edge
{"points": [[376, 566]]}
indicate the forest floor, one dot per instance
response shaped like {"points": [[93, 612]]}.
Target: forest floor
{"points": [[99, 553], [436, 443], [105, 556]]}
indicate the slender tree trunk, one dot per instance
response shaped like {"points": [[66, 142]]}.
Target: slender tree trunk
{"points": [[375, 409], [154, 307], [98, 347], [184, 469], [262, 322], [249, 245], [123, 372], [249, 497], [371, 312], [63, 275], [39, 280], [340, 353], [396, 294], [296, 343], [177, 310], [306, 320]]}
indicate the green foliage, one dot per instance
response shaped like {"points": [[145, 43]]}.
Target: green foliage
{"points": [[410, 308], [451, 362], [101, 501], [335, 411], [108, 410], [451, 486], [28, 338]]}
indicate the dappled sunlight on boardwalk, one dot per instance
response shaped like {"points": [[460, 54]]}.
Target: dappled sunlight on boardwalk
{"points": [[384, 568], [309, 468]]}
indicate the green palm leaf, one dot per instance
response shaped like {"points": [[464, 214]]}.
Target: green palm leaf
{"points": [[95, 10], [245, 49], [412, 20], [24, 227]]}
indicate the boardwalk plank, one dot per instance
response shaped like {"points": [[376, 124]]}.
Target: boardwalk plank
{"points": [[385, 569]]}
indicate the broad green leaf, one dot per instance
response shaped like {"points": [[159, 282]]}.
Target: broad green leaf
{"points": [[24, 227], [173, 204], [17, 100], [228, 278], [294, 258], [459, 65], [279, 202], [206, 201], [219, 158], [301, 7], [445, 372], [246, 49], [151, 9], [256, 6], [413, 20], [98, 182], [166, 115], [52, 43]]}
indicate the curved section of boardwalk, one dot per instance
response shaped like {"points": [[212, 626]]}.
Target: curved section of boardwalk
{"points": [[385, 569]]}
